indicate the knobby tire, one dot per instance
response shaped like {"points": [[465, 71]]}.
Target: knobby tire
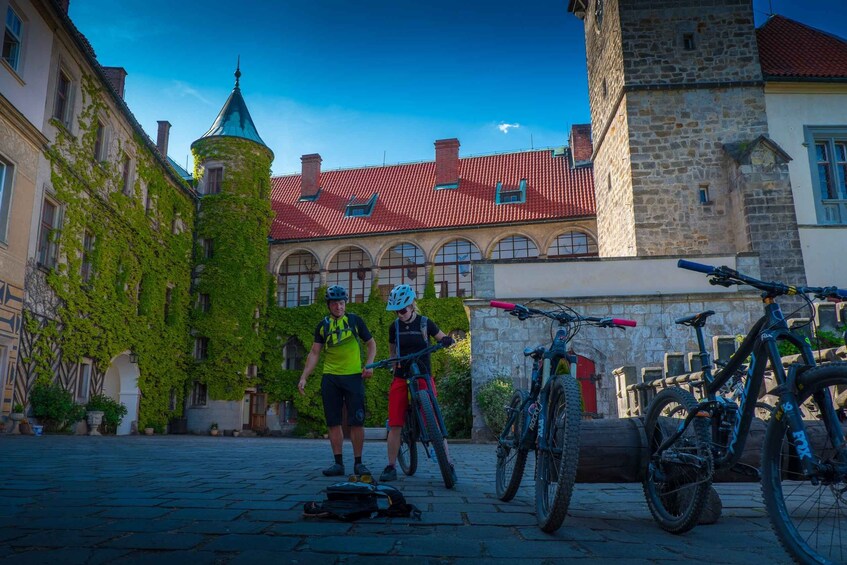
{"points": [[557, 471], [435, 437], [511, 455]]}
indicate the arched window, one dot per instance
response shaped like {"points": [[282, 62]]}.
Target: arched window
{"points": [[293, 355], [572, 244], [299, 278], [515, 247], [404, 263], [453, 268], [351, 268]]}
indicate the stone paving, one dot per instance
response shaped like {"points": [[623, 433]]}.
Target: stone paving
{"points": [[190, 499]]}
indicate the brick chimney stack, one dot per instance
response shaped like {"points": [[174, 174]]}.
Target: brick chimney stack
{"points": [[116, 76], [63, 5], [310, 178], [162, 137], [580, 143], [447, 163]]}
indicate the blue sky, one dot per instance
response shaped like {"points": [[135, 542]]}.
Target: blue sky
{"points": [[366, 82]]}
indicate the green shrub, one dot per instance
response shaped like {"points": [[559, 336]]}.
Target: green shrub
{"points": [[492, 398], [113, 411], [454, 389], [54, 407]]}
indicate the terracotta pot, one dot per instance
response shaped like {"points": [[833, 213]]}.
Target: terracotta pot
{"points": [[148, 431], [213, 432]]}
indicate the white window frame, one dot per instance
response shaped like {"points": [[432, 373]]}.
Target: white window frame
{"points": [[7, 185], [829, 211], [15, 63]]}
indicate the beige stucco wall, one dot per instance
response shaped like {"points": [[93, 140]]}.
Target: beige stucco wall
{"points": [[790, 108]]}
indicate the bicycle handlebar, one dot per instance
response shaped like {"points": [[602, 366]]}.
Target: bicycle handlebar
{"points": [[408, 357], [524, 312], [724, 276]]}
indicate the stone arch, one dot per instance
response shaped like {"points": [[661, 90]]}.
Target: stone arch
{"points": [[497, 241], [386, 247], [397, 271], [286, 254], [453, 274], [298, 285], [357, 279], [120, 383]]}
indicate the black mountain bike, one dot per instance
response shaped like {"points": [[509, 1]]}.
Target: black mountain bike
{"points": [[423, 417], [546, 419], [804, 482]]}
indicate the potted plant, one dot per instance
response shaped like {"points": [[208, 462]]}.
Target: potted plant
{"points": [[214, 429], [25, 427], [17, 416], [149, 431]]}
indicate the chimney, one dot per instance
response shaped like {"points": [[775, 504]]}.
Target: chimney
{"points": [[447, 163], [63, 5], [310, 178], [116, 76], [581, 145], [162, 137]]}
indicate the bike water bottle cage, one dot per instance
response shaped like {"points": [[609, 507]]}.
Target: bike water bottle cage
{"points": [[696, 320]]}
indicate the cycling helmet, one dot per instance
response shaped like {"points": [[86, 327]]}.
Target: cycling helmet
{"points": [[401, 296], [336, 292]]}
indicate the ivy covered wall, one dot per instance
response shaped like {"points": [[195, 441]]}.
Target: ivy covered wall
{"points": [[136, 297], [235, 278], [300, 322]]}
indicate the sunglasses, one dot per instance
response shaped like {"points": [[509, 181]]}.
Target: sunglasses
{"points": [[403, 311]]}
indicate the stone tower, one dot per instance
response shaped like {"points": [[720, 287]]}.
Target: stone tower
{"points": [[677, 106], [232, 168]]}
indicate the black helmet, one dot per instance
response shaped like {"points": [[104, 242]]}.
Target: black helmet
{"points": [[336, 292]]}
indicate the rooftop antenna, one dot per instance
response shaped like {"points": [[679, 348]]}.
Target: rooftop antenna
{"points": [[383, 157], [237, 71], [531, 143]]}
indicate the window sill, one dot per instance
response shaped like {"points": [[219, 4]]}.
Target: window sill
{"points": [[13, 72]]}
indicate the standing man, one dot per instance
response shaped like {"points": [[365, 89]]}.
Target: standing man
{"points": [[343, 378]]}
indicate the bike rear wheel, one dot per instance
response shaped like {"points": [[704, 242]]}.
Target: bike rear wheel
{"points": [[555, 468], [408, 454], [511, 455], [676, 484], [809, 519], [436, 438]]}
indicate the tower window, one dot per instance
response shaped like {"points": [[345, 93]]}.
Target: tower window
{"points": [[704, 194], [688, 41], [214, 176]]}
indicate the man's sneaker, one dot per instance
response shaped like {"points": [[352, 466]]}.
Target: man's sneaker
{"points": [[388, 474], [334, 470], [361, 469]]}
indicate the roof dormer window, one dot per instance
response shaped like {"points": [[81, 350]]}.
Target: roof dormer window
{"points": [[511, 195], [360, 209]]}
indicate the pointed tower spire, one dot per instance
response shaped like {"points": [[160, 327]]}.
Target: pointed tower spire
{"points": [[234, 119]]}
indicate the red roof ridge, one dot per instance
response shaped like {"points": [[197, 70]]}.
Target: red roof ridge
{"points": [[791, 50]]}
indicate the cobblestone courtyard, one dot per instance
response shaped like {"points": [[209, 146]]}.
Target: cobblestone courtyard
{"points": [[169, 499]]}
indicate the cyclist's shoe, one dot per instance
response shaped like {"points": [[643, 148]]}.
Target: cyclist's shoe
{"points": [[453, 476], [334, 470], [361, 469], [388, 474]]}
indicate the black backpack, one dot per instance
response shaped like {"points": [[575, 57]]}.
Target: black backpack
{"points": [[350, 501]]}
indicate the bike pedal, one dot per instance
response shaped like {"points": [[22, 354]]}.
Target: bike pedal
{"points": [[746, 470]]}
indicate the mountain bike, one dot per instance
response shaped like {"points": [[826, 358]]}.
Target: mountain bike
{"points": [[424, 422], [546, 419], [804, 482]]}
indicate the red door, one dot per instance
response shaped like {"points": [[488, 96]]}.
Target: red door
{"points": [[588, 386]]}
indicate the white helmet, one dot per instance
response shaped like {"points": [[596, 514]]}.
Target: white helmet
{"points": [[401, 296]]}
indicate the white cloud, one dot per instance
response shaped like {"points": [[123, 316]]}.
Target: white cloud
{"points": [[504, 127]]}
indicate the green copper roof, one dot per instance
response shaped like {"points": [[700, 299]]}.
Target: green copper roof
{"points": [[234, 119]]}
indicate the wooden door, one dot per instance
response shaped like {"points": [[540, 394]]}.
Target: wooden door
{"points": [[585, 374], [258, 409]]}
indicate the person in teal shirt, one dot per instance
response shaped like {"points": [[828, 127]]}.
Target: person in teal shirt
{"points": [[343, 377]]}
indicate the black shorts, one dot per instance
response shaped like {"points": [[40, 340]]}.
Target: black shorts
{"points": [[337, 390]]}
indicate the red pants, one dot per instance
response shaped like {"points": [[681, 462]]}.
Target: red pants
{"points": [[398, 400]]}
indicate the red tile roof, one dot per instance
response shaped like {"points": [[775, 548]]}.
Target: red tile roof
{"points": [[408, 201], [789, 49]]}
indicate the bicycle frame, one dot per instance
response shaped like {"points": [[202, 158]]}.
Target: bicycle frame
{"points": [[761, 344], [412, 384]]}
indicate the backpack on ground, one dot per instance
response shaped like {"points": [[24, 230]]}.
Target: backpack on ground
{"points": [[350, 501]]}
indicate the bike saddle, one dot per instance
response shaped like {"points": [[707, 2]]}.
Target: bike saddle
{"points": [[534, 352], [695, 320]]}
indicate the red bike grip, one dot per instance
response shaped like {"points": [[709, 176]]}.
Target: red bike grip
{"points": [[503, 305], [622, 322]]}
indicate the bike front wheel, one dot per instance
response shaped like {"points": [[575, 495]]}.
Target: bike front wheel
{"points": [[511, 455], [436, 438], [408, 454], [555, 468], [676, 482], [808, 518]]}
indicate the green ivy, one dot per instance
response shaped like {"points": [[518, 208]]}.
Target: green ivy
{"points": [[300, 322], [238, 221], [137, 256]]}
